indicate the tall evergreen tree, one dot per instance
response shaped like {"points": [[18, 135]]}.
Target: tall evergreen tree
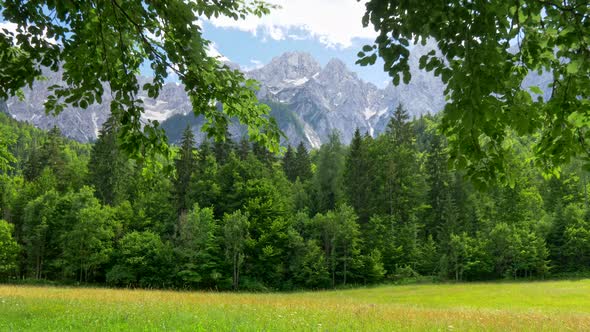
{"points": [[52, 156], [205, 150], [33, 165], [357, 177], [263, 154], [222, 148], [289, 164], [328, 178], [401, 180], [244, 148], [185, 165], [52, 153], [302, 163], [109, 168], [438, 180], [399, 128]]}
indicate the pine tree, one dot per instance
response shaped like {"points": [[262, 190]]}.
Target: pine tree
{"points": [[399, 128], [244, 148], [289, 166], [52, 150], [185, 166], [263, 154], [328, 178], [302, 163], [357, 177], [403, 182], [222, 148], [33, 166], [109, 168], [52, 155], [205, 150], [438, 181]]}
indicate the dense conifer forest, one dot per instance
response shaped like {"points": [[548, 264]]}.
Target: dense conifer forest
{"points": [[232, 215]]}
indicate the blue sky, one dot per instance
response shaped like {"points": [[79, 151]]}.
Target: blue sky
{"points": [[324, 28], [252, 50]]}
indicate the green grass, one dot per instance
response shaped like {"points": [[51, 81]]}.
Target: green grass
{"points": [[533, 306]]}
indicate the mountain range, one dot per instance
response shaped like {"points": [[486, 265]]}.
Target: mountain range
{"points": [[308, 100]]}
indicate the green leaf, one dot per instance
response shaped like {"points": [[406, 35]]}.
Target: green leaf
{"points": [[536, 90], [573, 67]]}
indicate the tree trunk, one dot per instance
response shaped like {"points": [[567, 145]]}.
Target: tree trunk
{"points": [[235, 276], [345, 266]]}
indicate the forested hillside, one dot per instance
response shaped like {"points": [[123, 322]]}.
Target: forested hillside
{"points": [[232, 215]]}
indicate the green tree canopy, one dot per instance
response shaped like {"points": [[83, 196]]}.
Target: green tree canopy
{"points": [[99, 47], [8, 248], [485, 51]]}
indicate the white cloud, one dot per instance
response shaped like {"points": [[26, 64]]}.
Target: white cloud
{"points": [[254, 64], [12, 27], [212, 51], [333, 22]]}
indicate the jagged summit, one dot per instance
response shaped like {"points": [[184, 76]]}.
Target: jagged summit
{"points": [[336, 65], [291, 67], [309, 102]]}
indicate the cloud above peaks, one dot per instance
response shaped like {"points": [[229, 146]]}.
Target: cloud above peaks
{"points": [[334, 23], [213, 51]]}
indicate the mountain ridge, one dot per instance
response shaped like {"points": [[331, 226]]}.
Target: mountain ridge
{"points": [[310, 102]]}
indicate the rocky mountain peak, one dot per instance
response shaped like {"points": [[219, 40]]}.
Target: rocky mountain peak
{"points": [[336, 65], [335, 72], [290, 67], [309, 102], [301, 62]]}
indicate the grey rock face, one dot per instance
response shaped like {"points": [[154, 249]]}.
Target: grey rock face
{"points": [[291, 68], [84, 125], [334, 98], [308, 101]]}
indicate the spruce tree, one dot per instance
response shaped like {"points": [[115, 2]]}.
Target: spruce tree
{"points": [[402, 179], [109, 168], [438, 180], [205, 150], [263, 154], [185, 166], [52, 151], [328, 178], [289, 164], [33, 165], [399, 128], [357, 178], [302, 163], [244, 148], [52, 155], [222, 148]]}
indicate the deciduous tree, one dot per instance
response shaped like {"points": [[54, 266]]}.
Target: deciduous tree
{"points": [[484, 51], [100, 46]]}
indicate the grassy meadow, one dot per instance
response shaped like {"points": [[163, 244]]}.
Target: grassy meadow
{"points": [[534, 306]]}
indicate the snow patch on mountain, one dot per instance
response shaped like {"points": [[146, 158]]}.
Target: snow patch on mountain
{"points": [[298, 81], [312, 137]]}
